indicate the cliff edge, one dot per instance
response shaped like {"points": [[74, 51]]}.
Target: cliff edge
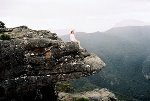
{"points": [[32, 61]]}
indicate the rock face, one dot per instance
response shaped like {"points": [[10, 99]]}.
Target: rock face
{"points": [[32, 61], [95, 95]]}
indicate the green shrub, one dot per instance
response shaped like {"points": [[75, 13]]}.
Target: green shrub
{"points": [[4, 37], [81, 99], [63, 87], [1, 33], [2, 25]]}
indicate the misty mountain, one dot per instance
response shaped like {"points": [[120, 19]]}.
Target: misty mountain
{"points": [[126, 52], [130, 22]]}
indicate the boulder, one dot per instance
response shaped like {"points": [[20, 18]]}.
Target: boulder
{"points": [[95, 95]]}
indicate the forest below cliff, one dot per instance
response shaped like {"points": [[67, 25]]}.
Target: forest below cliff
{"points": [[126, 52]]}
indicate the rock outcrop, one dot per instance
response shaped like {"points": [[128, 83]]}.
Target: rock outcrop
{"points": [[32, 61], [95, 95]]}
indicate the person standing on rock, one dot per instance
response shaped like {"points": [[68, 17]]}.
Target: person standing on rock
{"points": [[73, 39]]}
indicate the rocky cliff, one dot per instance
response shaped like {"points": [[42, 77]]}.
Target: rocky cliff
{"points": [[32, 61]]}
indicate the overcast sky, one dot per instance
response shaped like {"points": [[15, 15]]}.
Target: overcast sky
{"points": [[81, 15]]}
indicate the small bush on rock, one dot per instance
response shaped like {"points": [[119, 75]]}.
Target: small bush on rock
{"points": [[2, 25], [4, 37], [81, 99], [63, 87]]}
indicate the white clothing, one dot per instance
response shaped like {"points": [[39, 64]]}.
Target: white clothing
{"points": [[72, 38]]}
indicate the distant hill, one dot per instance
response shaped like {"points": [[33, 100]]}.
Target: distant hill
{"points": [[131, 22], [126, 51]]}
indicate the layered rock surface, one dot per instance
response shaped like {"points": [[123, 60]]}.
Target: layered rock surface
{"points": [[32, 61]]}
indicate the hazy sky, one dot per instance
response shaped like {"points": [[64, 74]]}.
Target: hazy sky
{"points": [[82, 15]]}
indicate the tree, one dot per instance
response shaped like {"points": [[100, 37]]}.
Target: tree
{"points": [[2, 25]]}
